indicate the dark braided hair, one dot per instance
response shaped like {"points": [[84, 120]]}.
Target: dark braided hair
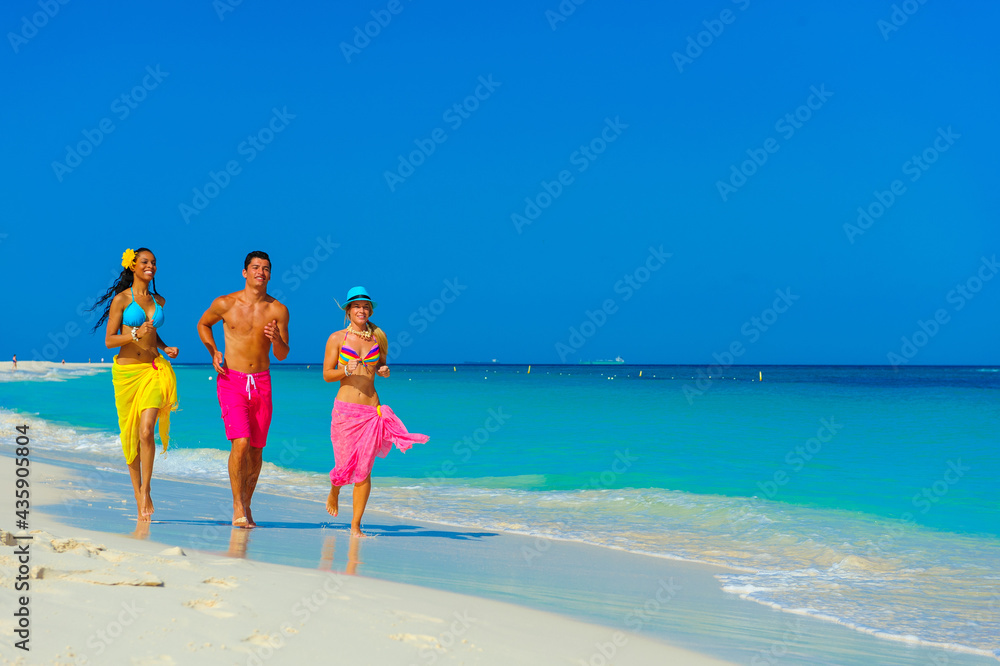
{"points": [[124, 282]]}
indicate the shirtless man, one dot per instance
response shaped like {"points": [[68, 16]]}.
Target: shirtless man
{"points": [[252, 321]]}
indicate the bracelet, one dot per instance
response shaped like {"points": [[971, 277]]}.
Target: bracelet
{"points": [[347, 373], [135, 338]]}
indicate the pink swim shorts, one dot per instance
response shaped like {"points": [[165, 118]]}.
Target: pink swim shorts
{"points": [[246, 405]]}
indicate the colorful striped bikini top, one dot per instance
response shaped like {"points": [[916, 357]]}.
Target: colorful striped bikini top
{"points": [[347, 354]]}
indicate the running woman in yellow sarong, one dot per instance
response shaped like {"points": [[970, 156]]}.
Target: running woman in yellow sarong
{"points": [[144, 381]]}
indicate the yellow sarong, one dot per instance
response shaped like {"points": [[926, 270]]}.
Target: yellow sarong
{"points": [[141, 386]]}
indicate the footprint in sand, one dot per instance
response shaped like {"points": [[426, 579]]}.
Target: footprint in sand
{"points": [[175, 551], [131, 579], [106, 577], [406, 615], [258, 638], [209, 607], [85, 549], [221, 582], [80, 547], [162, 660], [419, 640]]}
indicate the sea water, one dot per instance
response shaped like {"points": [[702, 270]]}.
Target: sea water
{"points": [[863, 495]]}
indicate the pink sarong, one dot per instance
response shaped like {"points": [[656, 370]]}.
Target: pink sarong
{"points": [[361, 432]]}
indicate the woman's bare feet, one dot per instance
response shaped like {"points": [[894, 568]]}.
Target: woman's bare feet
{"points": [[141, 529], [333, 501], [147, 509], [356, 533], [141, 514]]}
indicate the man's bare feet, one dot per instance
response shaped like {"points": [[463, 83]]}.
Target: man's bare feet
{"points": [[333, 501], [239, 516], [250, 522]]}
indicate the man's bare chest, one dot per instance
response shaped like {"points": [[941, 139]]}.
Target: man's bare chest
{"points": [[245, 321]]}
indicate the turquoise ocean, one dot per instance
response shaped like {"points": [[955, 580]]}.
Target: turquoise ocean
{"points": [[865, 496]]}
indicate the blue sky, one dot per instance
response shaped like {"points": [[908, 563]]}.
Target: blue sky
{"points": [[659, 181]]}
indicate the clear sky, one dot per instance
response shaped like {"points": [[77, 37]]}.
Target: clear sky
{"points": [[527, 181]]}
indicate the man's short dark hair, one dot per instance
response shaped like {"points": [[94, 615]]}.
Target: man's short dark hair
{"points": [[255, 254]]}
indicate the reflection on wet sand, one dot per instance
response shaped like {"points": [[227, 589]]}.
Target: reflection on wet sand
{"points": [[141, 530], [238, 540], [353, 555]]}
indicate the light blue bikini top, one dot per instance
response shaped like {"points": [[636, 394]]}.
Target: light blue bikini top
{"points": [[134, 315]]}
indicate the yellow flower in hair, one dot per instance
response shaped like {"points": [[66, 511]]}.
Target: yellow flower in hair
{"points": [[128, 258]]}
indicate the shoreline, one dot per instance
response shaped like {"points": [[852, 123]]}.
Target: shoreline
{"points": [[93, 594], [36, 367], [672, 604]]}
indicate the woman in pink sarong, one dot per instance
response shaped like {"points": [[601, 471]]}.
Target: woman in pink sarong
{"points": [[361, 428]]}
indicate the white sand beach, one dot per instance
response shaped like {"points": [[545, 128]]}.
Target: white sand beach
{"points": [[45, 370], [189, 589], [102, 598]]}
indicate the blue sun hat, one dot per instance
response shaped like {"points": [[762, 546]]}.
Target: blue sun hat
{"points": [[357, 294]]}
